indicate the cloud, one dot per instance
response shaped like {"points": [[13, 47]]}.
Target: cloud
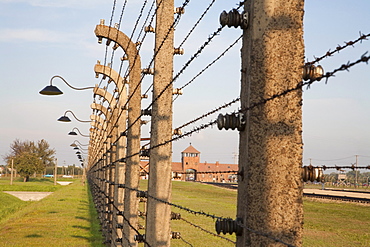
{"points": [[59, 3], [35, 35]]}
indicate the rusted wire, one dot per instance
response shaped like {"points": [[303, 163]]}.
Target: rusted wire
{"points": [[205, 230], [110, 24], [214, 61], [300, 85], [353, 167], [186, 242], [196, 24], [209, 113], [339, 48]]}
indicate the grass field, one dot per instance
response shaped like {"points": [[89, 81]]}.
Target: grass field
{"points": [[65, 218], [35, 184], [68, 218], [336, 224]]}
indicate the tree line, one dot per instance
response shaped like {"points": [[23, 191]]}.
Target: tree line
{"points": [[362, 178], [30, 157]]}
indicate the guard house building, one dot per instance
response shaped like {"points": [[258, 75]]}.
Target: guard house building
{"points": [[191, 169]]}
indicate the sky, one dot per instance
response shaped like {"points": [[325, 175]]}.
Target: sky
{"points": [[43, 38]]}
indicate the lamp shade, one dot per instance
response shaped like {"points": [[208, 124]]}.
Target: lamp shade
{"points": [[64, 119], [50, 90], [72, 133]]}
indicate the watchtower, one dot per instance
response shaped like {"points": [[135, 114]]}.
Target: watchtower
{"points": [[190, 159]]}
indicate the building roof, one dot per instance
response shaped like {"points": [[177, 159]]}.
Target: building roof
{"points": [[191, 149]]}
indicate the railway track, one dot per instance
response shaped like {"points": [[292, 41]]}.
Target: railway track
{"points": [[338, 198], [342, 197]]}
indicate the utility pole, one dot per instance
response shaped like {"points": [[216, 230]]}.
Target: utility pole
{"points": [[356, 176], [55, 171], [160, 184], [270, 183], [11, 174]]}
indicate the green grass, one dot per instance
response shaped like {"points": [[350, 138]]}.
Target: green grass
{"points": [[35, 184], [336, 224], [199, 197], [9, 205], [68, 218], [65, 218], [329, 224]]}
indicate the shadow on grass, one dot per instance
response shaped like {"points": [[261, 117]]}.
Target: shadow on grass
{"points": [[33, 236], [82, 218], [82, 227], [81, 237], [95, 228]]}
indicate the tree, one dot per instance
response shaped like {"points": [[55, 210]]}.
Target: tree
{"points": [[27, 164], [30, 157], [44, 152]]}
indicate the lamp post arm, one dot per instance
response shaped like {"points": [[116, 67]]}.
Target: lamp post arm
{"points": [[79, 143], [83, 121], [80, 132], [75, 88]]}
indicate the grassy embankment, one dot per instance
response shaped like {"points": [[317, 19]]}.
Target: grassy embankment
{"points": [[65, 218]]}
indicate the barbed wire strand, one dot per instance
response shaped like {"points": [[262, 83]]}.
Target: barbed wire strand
{"points": [[181, 71], [339, 48], [110, 24], [213, 62], [209, 113], [166, 36], [205, 230], [299, 86], [200, 213], [196, 24], [186, 241]]}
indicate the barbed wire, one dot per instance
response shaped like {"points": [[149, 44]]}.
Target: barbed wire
{"points": [[110, 24], [200, 213], [130, 225], [132, 34], [129, 69], [195, 55], [125, 219], [196, 24], [301, 84], [143, 75], [172, 204], [186, 241], [205, 230], [118, 28], [213, 62], [209, 113], [182, 70], [353, 167], [339, 48]]}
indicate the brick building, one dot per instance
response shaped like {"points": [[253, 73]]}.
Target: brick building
{"points": [[191, 169]]}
